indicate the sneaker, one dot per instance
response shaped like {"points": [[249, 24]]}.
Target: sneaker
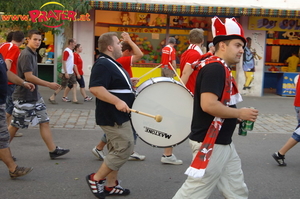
{"points": [[58, 152], [97, 187], [65, 99], [87, 98], [136, 156], [116, 190], [279, 159], [20, 171], [170, 160], [98, 153], [18, 134]]}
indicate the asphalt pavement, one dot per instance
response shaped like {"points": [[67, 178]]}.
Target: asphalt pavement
{"points": [[73, 126]]}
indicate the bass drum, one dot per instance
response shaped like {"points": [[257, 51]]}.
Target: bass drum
{"points": [[166, 97]]}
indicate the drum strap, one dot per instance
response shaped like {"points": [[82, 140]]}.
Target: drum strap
{"points": [[120, 91], [130, 90]]}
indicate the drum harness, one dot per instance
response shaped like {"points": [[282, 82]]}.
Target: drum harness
{"points": [[130, 90]]}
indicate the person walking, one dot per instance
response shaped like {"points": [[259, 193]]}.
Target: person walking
{"points": [[78, 65], [279, 156], [131, 54], [10, 51], [29, 107], [188, 71], [113, 89], [168, 62], [168, 56], [215, 160], [5, 154], [68, 76]]}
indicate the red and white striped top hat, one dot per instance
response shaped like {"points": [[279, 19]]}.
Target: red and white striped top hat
{"points": [[231, 29]]}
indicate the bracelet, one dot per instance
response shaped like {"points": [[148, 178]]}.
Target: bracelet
{"points": [[24, 83]]}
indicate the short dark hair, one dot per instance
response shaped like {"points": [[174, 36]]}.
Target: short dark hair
{"points": [[33, 32], [126, 46], [225, 41], [71, 41], [9, 36], [77, 46], [294, 53], [18, 36]]}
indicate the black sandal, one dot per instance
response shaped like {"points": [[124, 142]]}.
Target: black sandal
{"points": [[52, 101]]}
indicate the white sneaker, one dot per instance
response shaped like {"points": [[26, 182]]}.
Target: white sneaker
{"points": [[18, 134], [98, 153], [136, 156], [170, 160]]}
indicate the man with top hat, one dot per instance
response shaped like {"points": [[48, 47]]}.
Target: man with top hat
{"points": [[216, 162]]}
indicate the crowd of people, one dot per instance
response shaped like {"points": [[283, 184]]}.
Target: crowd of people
{"points": [[207, 76]]}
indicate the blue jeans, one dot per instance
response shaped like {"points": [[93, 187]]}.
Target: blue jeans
{"points": [[296, 133]]}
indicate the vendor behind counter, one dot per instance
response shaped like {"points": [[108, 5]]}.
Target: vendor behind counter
{"points": [[293, 62]]}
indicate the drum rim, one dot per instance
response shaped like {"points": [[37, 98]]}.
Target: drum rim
{"points": [[172, 80], [163, 146]]}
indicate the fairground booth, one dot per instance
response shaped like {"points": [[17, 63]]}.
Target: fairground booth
{"points": [[272, 26]]}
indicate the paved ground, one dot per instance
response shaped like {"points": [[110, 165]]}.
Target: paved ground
{"points": [[73, 127]]}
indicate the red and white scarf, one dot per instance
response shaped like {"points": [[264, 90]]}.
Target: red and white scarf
{"points": [[230, 96]]}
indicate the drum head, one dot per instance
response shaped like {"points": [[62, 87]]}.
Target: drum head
{"points": [[168, 98]]}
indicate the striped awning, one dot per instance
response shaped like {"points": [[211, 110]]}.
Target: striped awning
{"points": [[192, 10]]}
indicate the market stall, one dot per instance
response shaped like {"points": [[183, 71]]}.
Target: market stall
{"points": [[282, 40]]}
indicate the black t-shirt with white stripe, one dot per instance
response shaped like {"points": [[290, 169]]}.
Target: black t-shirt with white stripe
{"points": [[106, 72]]}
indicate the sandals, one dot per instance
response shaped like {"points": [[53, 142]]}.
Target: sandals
{"points": [[52, 101], [76, 102]]}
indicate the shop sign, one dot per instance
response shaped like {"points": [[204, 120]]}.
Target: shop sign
{"points": [[274, 24], [44, 15], [289, 82], [149, 30], [136, 30]]}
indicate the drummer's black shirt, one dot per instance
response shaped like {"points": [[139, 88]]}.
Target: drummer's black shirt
{"points": [[107, 74], [211, 78]]}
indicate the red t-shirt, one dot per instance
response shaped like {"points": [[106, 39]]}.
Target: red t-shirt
{"points": [[78, 62], [11, 52], [126, 63], [297, 98], [168, 55], [188, 57]]}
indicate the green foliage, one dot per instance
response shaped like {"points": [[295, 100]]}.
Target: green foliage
{"points": [[59, 65]]}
